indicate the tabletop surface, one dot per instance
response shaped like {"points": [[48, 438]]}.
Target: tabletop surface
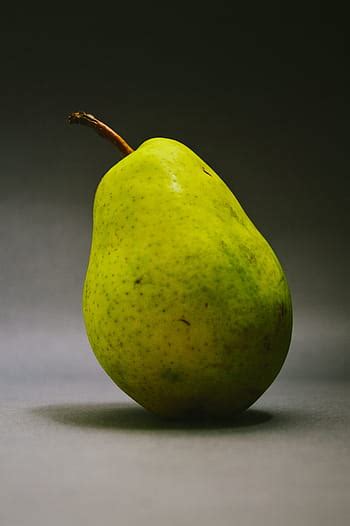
{"points": [[78, 452]]}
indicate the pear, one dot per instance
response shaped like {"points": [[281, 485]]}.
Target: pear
{"points": [[186, 305]]}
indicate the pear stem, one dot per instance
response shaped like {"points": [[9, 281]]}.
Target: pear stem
{"points": [[80, 117]]}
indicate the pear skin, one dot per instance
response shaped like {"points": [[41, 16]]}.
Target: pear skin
{"points": [[185, 304]]}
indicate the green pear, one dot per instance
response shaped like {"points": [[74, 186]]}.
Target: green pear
{"points": [[186, 305]]}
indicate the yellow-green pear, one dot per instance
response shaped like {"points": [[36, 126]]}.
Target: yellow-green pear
{"points": [[185, 304]]}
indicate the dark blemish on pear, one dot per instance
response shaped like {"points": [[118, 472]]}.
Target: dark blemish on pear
{"points": [[138, 280], [248, 253], [184, 321], [206, 171], [282, 311], [171, 375], [232, 211]]}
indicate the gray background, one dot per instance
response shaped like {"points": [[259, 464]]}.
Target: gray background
{"points": [[263, 98]]}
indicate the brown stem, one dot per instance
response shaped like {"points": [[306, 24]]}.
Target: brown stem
{"points": [[80, 117]]}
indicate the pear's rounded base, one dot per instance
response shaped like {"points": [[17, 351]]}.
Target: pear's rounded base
{"points": [[200, 410]]}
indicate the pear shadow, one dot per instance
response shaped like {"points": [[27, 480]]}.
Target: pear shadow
{"points": [[124, 416]]}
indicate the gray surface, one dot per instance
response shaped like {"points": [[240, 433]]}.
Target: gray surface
{"points": [[78, 452]]}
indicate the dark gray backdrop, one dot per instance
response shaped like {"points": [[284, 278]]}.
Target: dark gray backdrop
{"points": [[261, 96]]}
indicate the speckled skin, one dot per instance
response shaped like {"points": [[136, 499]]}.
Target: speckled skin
{"points": [[185, 304]]}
